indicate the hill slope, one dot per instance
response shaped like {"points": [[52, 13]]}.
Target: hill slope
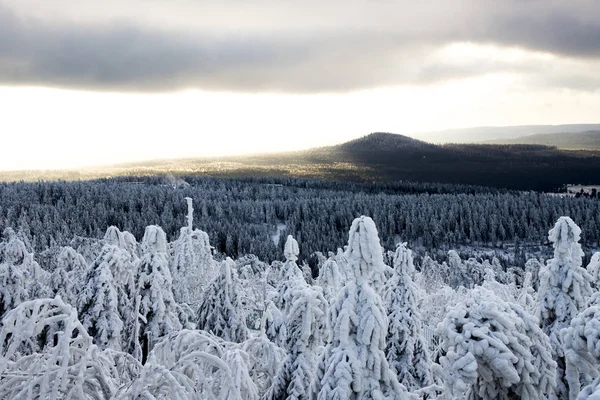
{"points": [[578, 140]]}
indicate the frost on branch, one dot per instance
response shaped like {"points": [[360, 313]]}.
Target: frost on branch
{"points": [[406, 348], [494, 350]]}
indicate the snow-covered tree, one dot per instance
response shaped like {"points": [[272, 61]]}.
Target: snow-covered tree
{"points": [[45, 353], [582, 349], [354, 365], [218, 312], [593, 269], [291, 274], [305, 323], [534, 266], [406, 347], [204, 366], [527, 298], [157, 308], [433, 275], [13, 290], [458, 275], [74, 263], [564, 289], [98, 302], [331, 278], [494, 350], [114, 236], [35, 278]]}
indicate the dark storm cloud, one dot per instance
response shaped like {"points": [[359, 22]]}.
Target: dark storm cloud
{"points": [[132, 56]]}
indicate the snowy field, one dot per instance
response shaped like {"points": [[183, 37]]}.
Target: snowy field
{"points": [[158, 316]]}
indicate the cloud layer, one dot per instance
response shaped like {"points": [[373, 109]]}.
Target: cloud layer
{"points": [[309, 46]]}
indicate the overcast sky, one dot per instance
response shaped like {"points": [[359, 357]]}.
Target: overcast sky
{"points": [[94, 82]]}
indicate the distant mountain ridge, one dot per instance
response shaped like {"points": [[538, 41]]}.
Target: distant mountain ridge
{"points": [[489, 133], [576, 140]]}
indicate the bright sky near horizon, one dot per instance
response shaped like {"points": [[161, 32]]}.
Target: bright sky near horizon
{"points": [[84, 83]]}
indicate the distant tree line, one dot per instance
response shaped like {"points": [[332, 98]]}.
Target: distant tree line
{"points": [[240, 215]]}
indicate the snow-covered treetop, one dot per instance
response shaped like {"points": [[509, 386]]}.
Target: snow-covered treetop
{"points": [[9, 234], [291, 250], [15, 251], [364, 252], [563, 235], [403, 259], [155, 240], [594, 269], [114, 236], [130, 242], [190, 213]]}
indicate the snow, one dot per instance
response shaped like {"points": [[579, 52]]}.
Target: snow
{"points": [[280, 228], [118, 319]]}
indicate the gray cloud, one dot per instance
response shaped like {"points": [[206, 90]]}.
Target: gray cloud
{"points": [[131, 55]]}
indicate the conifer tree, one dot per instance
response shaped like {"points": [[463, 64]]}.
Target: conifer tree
{"points": [[564, 289], [494, 350], [406, 348], [99, 302], [219, 310], [354, 365], [157, 307], [305, 324]]}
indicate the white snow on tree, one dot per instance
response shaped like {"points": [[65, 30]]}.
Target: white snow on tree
{"points": [[45, 353], [564, 290], [534, 266], [203, 364], [582, 349], [494, 350], [458, 275], [433, 275], [528, 296], [218, 312], [264, 362], [157, 308], [98, 302], [37, 280], [506, 292], [593, 269], [354, 365], [406, 348], [591, 391], [291, 250], [305, 323], [274, 324], [114, 236], [291, 274], [13, 289], [331, 278], [74, 263]]}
